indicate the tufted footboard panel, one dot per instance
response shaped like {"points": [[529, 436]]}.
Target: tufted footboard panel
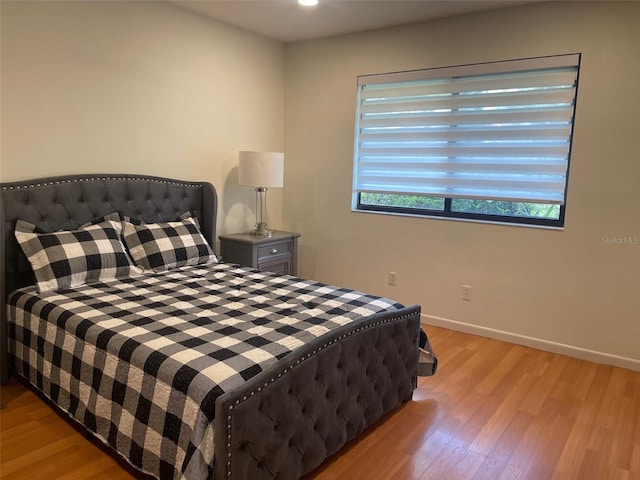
{"points": [[288, 419]]}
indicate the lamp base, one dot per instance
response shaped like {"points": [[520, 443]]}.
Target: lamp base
{"points": [[261, 230], [259, 233]]}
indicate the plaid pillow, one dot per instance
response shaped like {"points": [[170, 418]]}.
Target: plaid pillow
{"points": [[163, 246], [68, 259]]}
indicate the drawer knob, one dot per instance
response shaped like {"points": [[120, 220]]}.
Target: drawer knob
{"points": [[275, 250]]}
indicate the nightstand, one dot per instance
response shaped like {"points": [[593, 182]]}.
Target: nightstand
{"points": [[277, 253]]}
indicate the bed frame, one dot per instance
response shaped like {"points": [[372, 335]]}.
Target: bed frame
{"points": [[257, 434]]}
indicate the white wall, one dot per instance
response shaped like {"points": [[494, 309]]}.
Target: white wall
{"points": [[535, 286], [138, 87]]}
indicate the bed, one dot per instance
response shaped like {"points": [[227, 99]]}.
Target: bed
{"points": [[206, 370]]}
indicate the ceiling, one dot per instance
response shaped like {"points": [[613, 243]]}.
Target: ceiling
{"points": [[286, 21]]}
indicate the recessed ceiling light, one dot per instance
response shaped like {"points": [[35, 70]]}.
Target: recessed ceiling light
{"points": [[308, 3]]}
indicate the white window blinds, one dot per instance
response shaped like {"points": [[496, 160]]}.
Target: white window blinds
{"points": [[499, 131]]}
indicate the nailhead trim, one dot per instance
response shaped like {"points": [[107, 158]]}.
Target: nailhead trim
{"points": [[90, 179]]}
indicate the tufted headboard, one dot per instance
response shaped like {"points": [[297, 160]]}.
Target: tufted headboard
{"points": [[65, 203]]}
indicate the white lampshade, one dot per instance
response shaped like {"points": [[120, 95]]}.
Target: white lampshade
{"points": [[261, 169]]}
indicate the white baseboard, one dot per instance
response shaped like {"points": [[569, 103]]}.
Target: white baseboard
{"points": [[547, 346]]}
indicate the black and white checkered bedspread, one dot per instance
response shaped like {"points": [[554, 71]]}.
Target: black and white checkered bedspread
{"points": [[140, 362]]}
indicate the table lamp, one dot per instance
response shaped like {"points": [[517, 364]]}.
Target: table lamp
{"points": [[261, 170]]}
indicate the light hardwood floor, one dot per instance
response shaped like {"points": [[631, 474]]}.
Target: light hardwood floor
{"points": [[494, 411]]}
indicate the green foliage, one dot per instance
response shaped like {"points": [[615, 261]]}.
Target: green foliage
{"points": [[402, 201], [463, 205], [508, 209]]}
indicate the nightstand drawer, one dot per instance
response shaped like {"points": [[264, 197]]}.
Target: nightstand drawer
{"points": [[283, 266], [274, 249], [277, 253]]}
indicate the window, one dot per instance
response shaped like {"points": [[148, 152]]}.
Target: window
{"points": [[487, 141]]}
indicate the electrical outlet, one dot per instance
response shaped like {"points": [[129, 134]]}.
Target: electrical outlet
{"points": [[466, 292], [393, 277]]}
